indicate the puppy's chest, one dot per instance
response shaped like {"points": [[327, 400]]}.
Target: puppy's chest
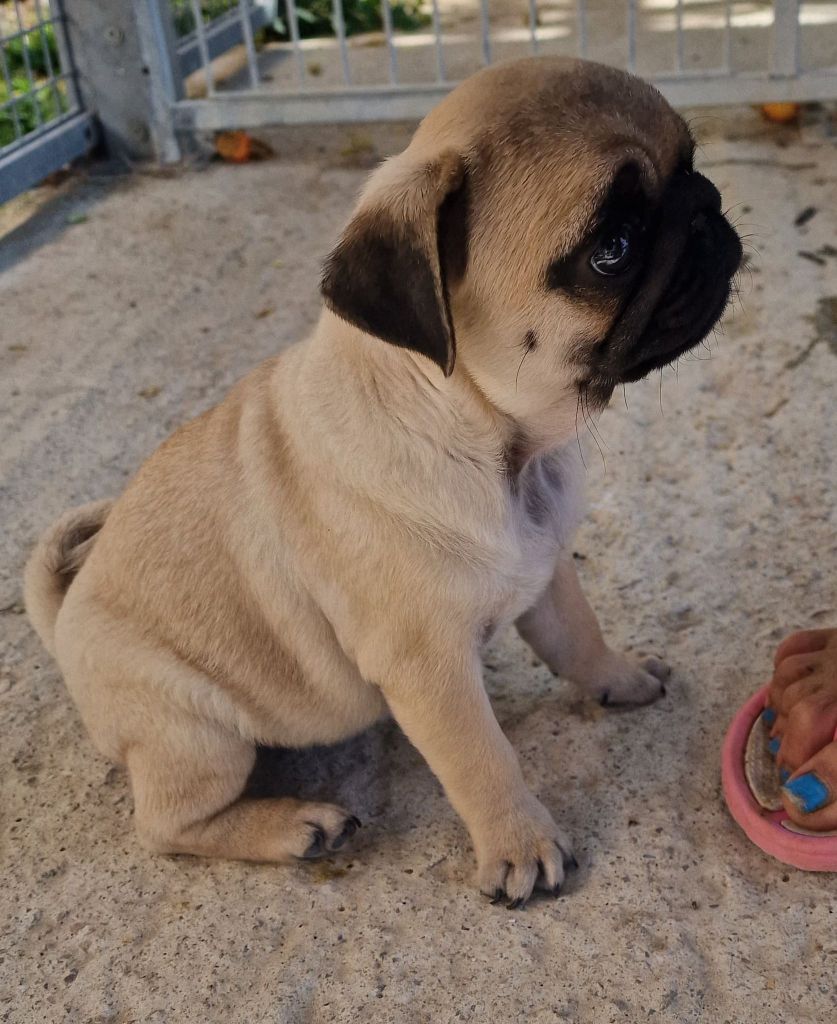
{"points": [[544, 508]]}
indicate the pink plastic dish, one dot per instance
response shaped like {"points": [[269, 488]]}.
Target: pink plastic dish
{"points": [[771, 831]]}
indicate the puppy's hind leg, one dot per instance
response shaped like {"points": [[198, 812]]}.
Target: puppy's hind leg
{"points": [[188, 777]]}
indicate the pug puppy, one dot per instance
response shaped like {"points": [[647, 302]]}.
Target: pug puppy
{"points": [[337, 540]]}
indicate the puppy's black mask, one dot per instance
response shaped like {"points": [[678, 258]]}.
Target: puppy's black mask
{"points": [[664, 267]]}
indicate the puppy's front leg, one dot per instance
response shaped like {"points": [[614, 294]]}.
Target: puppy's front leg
{"points": [[563, 631], [440, 702]]}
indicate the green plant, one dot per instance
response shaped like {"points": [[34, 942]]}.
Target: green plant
{"points": [[50, 103], [316, 17], [36, 45], [184, 19]]}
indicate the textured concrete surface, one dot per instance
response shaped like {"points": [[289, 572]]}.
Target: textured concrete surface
{"points": [[712, 532]]}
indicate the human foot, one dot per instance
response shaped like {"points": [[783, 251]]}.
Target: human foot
{"points": [[802, 711]]}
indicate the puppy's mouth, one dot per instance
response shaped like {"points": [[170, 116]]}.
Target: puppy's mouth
{"points": [[682, 293]]}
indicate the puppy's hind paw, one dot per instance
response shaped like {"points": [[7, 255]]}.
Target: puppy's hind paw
{"points": [[321, 829]]}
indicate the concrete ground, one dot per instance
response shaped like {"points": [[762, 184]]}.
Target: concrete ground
{"points": [[129, 305]]}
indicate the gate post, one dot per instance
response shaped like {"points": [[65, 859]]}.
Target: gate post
{"points": [[124, 53]]}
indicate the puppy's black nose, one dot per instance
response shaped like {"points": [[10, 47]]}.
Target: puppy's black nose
{"points": [[699, 222]]}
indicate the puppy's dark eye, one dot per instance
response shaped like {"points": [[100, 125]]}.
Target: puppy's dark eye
{"points": [[615, 249]]}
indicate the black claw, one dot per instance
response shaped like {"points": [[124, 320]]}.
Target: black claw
{"points": [[356, 822], [604, 700], [557, 890], [663, 690], [497, 897], [349, 829], [571, 862], [317, 845], [515, 904]]}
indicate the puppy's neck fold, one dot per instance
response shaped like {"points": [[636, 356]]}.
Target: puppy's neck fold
{"points": [[395, 385]]}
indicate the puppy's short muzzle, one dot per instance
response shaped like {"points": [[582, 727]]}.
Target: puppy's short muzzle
{"points": [[686, 286]]}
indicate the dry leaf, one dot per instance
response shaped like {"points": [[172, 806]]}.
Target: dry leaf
{"points": [[239, 147]]}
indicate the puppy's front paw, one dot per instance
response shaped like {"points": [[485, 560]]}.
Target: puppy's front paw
{"points": [[627, 679], [522, 850]]}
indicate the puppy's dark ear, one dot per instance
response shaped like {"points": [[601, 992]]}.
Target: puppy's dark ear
{"points": [[387, 274]]}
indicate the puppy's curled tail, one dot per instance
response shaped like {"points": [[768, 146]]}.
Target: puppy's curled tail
{"points": [[55, 563]]}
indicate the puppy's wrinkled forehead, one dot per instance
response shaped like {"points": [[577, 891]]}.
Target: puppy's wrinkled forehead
{"points": [[545, 138]]}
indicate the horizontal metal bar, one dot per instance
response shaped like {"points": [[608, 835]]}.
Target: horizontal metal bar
{"points": [[396, 103], [688, 91], [350, 104], [222, 34], [25, 163]]}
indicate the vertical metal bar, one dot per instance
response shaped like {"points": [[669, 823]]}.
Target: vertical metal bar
{"points": [[386, 13], [533, 25], [581, 26], [56, 95], [340, 28], [244, 11], [728, 36], [631, 28], [678, 17], [486, 32], [441, 71], [203, 49], [293, 28], [24, 42], [59, 20], [12, 101], [785, 58]]}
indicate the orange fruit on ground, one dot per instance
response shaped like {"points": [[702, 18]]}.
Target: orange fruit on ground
{"points": [[780, 113], [233, 146]]}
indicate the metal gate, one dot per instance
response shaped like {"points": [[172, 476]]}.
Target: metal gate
{"points": [[42, 123], [194, 66], [696, 51]]}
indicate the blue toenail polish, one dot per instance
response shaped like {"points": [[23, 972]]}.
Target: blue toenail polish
{"points": [[784, 775], [808, 792], [773, 745], [769, 716]]}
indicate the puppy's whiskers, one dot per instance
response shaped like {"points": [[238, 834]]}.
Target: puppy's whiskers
{"points": [[519, 365], [577, 436], [587, 416]]}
